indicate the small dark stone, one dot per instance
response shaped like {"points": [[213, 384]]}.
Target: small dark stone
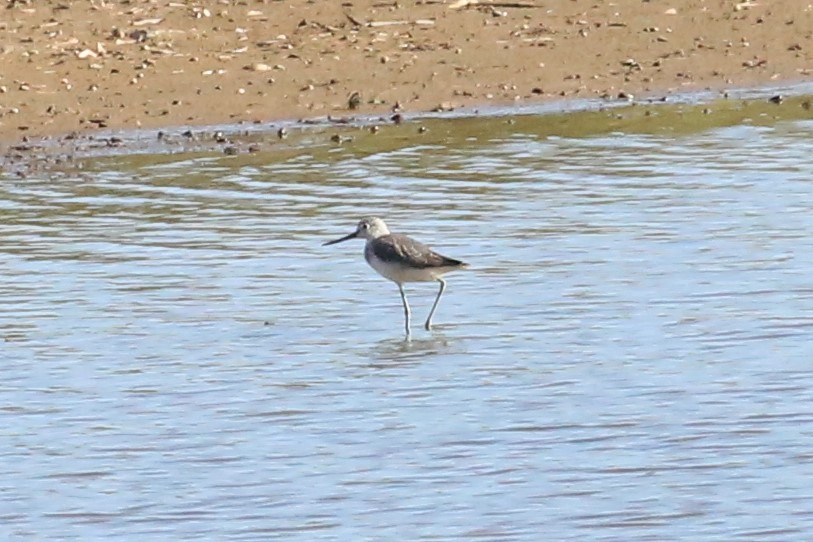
{"points": [[139, 36], [354, 101]]}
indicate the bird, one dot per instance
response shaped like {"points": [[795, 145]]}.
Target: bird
{"points": [[402, 259]]}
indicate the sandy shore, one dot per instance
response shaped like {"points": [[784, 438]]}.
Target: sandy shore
{"points": [[81, 66]]}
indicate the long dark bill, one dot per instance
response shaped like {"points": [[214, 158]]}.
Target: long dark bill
{"points": [[345, 238]]}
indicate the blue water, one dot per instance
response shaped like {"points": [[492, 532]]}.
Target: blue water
{"points": [[628, 357]]}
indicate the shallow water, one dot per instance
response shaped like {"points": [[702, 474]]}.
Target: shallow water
{"points": [[628, 357]]}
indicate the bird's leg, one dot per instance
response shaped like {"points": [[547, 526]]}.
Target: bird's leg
{"points": [[406, 309], [428, 324]]}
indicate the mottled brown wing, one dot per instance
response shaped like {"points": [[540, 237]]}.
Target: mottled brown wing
{"points": [[395, 248]]}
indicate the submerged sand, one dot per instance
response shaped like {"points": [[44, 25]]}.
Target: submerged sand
{"points": [[81, 66]]}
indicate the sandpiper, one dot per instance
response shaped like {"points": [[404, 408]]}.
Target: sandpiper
{"points": [[402, 259]]}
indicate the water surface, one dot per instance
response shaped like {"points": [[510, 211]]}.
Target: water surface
{"points": [[628, 357]]}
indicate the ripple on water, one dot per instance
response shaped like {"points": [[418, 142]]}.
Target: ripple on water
{"points": [[627, 358]]}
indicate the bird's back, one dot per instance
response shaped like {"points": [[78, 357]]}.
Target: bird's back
{"points": [[403, 259]]}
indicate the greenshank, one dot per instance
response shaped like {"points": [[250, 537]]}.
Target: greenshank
{"points": [[402, 259]]}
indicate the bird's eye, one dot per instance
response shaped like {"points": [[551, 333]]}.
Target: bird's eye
{"points": [[365, 226]]}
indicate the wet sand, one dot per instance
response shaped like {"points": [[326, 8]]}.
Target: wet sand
{"points": [[83, 66]]}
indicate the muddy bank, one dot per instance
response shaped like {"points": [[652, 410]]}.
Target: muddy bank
{"points": [[89, 66]]}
